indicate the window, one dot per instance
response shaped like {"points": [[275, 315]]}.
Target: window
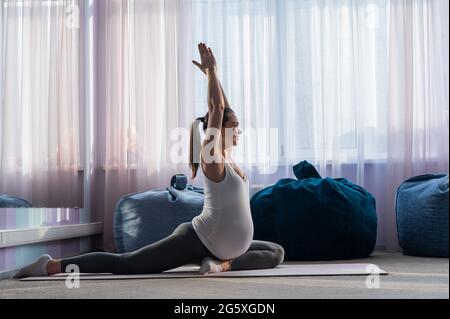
{"points": [[316, 71]]}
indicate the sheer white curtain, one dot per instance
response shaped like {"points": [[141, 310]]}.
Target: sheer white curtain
{"points": [[315, 71], [144, 94], [359, 88], [40, 110]]}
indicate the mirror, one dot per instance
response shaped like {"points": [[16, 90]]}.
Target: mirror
{"points": [[26, 233]]}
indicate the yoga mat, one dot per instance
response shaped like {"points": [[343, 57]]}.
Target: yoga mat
{"points": [[282, 270]]}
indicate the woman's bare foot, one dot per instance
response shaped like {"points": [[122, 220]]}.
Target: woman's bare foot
{"points": [[226, 265], [53, 267], [210, 265]]}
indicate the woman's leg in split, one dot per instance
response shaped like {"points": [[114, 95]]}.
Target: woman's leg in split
{"points": [[260, 255], [180, 248]]}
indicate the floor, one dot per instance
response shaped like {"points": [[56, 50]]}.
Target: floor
{"points": [[409, 277]]}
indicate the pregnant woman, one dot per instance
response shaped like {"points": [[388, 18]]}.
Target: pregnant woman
{"points": [[220, 238]]}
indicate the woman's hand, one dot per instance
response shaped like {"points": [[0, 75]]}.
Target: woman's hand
{"points": [[207, 58]]}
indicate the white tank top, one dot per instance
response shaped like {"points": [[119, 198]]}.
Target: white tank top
{"points": [[225, 225]]}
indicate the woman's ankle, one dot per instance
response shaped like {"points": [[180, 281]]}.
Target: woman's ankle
{"points": [[53, 267], [226, 265]]}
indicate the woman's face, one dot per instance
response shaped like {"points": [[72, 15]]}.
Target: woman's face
{"points": [[231, 127]]}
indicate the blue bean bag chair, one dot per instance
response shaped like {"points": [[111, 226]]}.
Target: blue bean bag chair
{"points": [[422, 215], [9, 201], [316, 218], [144, 218]]}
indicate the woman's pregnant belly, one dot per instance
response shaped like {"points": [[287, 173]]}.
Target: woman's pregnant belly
{"points": [[226, 234]]}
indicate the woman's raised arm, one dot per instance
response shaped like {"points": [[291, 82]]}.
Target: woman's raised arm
{"points": [[216, 106], [203, 67]]}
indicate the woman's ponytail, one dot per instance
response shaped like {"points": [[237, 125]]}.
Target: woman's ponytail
{"points": [[195, 145]]}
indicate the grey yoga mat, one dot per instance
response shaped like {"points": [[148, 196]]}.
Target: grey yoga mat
{"points": [[282, 270]]}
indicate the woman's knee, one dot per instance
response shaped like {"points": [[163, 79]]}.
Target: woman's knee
{"points": [[183, 229], [278, 252]]}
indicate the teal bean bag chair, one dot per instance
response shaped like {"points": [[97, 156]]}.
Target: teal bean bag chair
{"points": [[316, 218], [422, 215]]}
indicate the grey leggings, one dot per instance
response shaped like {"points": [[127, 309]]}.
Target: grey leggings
{"points": [[181, 247]]}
